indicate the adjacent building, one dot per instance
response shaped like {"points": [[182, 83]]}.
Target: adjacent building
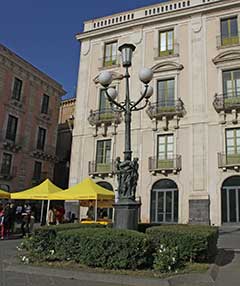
{"points": [[64, 142], [188, 139], [29, 110]]}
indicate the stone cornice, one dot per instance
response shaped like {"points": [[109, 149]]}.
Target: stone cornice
{"points": [[174, 15], [227, 56], [10, 60], [167, 66]]}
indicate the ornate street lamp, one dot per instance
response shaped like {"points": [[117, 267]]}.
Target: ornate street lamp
{"points": [[126, 209]]}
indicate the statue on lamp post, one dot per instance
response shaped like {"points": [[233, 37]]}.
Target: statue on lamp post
{"points": [[126, 209]]}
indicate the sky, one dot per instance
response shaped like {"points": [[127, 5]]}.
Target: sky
{"points": [[43, 32]]}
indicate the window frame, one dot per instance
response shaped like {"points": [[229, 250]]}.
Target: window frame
{"points": [[41, 142], [112, 61], [45, 105], [168, 51], [229, 39], [166, 99], [11, 135], [96, 156], [34, 170], [16, 91], [9, 168]]}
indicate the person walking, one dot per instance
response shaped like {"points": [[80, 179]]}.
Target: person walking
{"points": [[2, 222]]}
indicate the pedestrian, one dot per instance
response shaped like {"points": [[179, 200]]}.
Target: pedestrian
{"points": [[26, 216], [2, 222], [7, 219], [51, 219]]}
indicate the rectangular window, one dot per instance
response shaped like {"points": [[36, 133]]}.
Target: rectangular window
{"points": [[6, 164], [166, 94], [17, 89], [231, 83], [45, 103], [229, 31], [233, 146], [103, 156], [11, 128], [165, 151], [41, 138], [166, 43], [105, 111], [37, 170], [110, 54]]}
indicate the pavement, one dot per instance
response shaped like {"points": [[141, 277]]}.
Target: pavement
{"points": [[225, 271]]}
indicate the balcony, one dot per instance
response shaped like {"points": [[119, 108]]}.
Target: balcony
{"points": [[166, 108], [104, 116], [48, 154], [101, 169], [11, 145], [227, 102], [109, 62], [164, 166], [223, 42], [228, 161], [7, 175]]}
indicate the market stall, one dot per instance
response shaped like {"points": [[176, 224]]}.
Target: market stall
{"points": [[4, 195]]}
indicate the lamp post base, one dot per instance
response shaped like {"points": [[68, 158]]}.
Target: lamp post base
{"points": [[126, 214]]}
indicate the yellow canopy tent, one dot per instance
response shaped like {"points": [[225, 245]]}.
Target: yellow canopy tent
{"points": [[4, 195], [40, 192], [87, 190]]}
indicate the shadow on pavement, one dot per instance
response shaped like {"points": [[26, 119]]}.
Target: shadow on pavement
{"points": [[224, 257]]}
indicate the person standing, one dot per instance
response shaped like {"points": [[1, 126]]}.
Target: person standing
{"points": [[2, 222]]}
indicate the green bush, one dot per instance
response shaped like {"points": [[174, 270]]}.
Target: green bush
{"points": [[42, 242], [195, 243], [167, 259], [107, 248]]}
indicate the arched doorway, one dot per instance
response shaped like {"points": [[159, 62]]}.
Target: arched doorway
{"points": [[231, 200], [105, 212], [164, 202]]}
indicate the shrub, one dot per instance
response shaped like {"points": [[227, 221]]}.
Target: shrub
{"points": [[195, 243], [107, 248], [142, 227], [42, 242], [167, 259]]}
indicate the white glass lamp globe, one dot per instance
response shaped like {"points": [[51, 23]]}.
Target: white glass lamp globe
{"points": [[105, 78], [145, 75], [149, 92], [112, 92]]}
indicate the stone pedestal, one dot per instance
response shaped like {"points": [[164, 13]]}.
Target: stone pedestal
{"points": [[126, 215], [199, 211]]}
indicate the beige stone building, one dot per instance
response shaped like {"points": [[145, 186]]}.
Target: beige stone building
{"points": [[188, 138]]}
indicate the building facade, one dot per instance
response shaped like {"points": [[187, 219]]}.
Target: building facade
{"points": [[28, 123], [64, 142], [188, 139]]}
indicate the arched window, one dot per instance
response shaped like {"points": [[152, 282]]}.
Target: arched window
{"points": [[164, 202], [230, 195]]}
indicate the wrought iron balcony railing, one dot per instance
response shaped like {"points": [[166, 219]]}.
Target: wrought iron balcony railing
{"points": [[108, 62], [48, 154], [168, 108], [8, 174], [13, 145], [227, 101], [106, 116], [170, 52], [156, 164], [95, 168], [225, 41], [228, 160]]}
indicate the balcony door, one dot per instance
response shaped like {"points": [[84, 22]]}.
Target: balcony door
{"points": [[233, 146], [231, 84], [165, 94], [165, 151], [164, 202], [231, 200], [105, 111], [103, 156]]}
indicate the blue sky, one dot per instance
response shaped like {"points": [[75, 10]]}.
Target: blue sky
{"points": [[42, 31]]}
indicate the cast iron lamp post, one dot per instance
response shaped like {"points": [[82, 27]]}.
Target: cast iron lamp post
{"points": [[126, 209]]}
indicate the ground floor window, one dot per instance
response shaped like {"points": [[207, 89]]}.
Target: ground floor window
{"points": [[231, 200], [164, 202]]}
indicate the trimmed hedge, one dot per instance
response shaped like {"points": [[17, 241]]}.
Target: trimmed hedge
{"points": [[195, 243], [43, 239], [107, 248]]}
